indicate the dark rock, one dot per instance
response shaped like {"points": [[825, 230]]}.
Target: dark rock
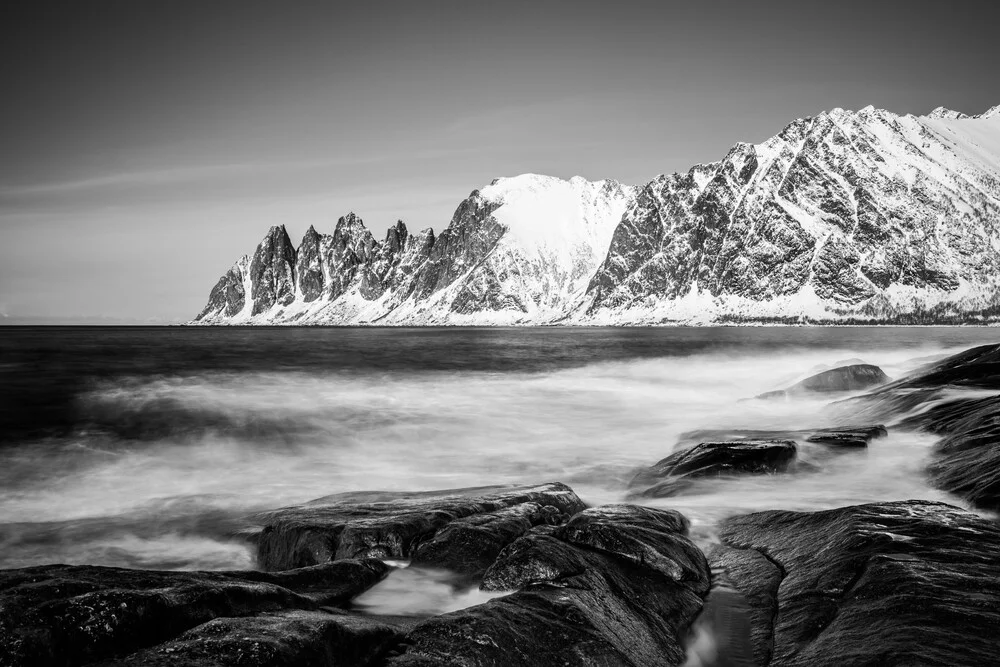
{"points": [[279, 639], [393, 525], [66, 615], [272, 271], [653, 538], [228, 296], [847, 436], [966, 461], [619, 596], [830, 435], [470, 545], [897, 583], [845, 378], [714, 459]]}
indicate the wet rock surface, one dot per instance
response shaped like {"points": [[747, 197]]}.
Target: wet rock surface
{"points": [[847, 436], [946, 398], [617, 585], [394, 526], [279, 639], [897, 583], [75, 615], [673, 474], [845, 378]]}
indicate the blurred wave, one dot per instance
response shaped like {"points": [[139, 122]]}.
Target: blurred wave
{"points": [[168, 439]]}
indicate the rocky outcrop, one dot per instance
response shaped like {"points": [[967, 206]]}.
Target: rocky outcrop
{"points": [[673, 474], [276, 639], [846, 216], [899, 583], [844, 378], [617, 585], [272, 272], [405, 525], [966, 460], [63, 615], [848, 436], [838, 216]]}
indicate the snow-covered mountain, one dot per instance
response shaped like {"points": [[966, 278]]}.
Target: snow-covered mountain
{"points": [[845, 216]]}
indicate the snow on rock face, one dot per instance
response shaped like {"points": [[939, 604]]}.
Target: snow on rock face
{"points": [[868, 214], [865, 216], [942, 112]]}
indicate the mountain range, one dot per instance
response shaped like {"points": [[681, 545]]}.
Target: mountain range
{"points": [[843, 217]]}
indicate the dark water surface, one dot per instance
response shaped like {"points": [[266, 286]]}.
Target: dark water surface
{"points": [[146, 447]]}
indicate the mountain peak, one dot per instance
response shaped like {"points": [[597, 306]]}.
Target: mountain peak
{"points": [[990, 113], [862, 216], [944, 112]]}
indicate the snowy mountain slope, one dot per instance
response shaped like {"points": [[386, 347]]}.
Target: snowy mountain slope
{"points": [[862, 215], [845, 216], [516, 251]]}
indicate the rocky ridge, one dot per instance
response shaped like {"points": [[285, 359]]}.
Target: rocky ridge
{"points": [[847, 216]]}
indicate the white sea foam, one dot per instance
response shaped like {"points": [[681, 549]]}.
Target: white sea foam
{"points": [[172, 500]]}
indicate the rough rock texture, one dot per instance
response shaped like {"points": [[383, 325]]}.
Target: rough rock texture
{"points": [[272, 277], [966, 461], [277, 639], [618, 585], [520, 250], [65, 615], [844, 378], [397, 525], [713, 459], [899, 583], [847, 216], [848, 436]]}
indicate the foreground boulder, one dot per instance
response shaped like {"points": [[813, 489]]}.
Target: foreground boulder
{"points": [[405, 525], [279, 639], [897, 583], [617, 585], [66, 615], [673, 474], [845, 378]]}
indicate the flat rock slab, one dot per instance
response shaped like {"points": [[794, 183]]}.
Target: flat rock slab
{"points": [[848, 436], [617, 585], [845, 378], [669, 476], [896, 583], [838, 436], [74, 615], [405, 525]]}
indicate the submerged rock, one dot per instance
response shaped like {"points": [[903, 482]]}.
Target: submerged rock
{"points": [[395, 525], [74, 615], [844, 378], [896, 583], [713, 459], [617, 585]]}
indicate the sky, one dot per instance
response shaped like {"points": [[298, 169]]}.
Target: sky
{"points": [[145, 145]]}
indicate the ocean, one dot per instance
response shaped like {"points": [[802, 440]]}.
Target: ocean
{"points": [[154, 447]]}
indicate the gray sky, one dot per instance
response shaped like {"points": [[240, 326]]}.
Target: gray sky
{"points": [[145, 146]]}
